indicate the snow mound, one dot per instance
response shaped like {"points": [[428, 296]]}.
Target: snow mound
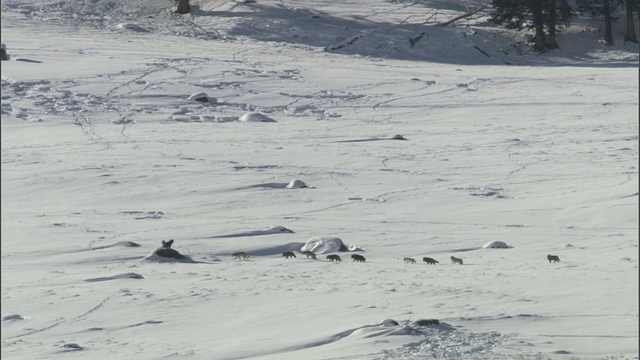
{"points": [[383, 332], [296, 184], [163, 254], [124, 243], [132, 27], [13, 317], [255, 117], [115, 277], [275, 250], [496, 245], [72, 346], [127, 243], [389, 322], [327, 244], [438, 342], [277, 229], [200, 96]]}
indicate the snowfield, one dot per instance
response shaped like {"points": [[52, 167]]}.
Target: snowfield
{"points": [[349, 127]]}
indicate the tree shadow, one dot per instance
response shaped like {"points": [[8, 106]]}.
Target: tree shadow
{"points": [[481, 44]]}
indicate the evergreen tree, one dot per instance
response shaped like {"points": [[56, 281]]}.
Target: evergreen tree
{"points": [[630, 33], [603, 10], [513, 14], [533, 14], [557, 12]]}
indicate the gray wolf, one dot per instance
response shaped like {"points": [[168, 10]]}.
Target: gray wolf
{"points": [[310, 255], [241, 255], [334, 258], [288, 254], [358, 258], [408, 260], [429, 260]]}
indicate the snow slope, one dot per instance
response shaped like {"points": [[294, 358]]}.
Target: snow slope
{"points": [[104, 155]]}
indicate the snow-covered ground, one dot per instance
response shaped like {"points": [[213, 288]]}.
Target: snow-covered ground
{"points": [[106, 153]]}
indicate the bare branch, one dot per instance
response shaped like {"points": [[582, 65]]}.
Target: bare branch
{"points": [[464, 16]]}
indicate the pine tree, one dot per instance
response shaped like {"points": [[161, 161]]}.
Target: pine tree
{"points": [[603, 10], [520, 15], [513, 14], [533, 14], [540, 41], [630, 33], [558, 12]]}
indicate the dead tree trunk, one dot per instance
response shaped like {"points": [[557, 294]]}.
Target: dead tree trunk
{"points": [[630, 34], [551, 41], [183, 7], [608, 28], [538, 22]]}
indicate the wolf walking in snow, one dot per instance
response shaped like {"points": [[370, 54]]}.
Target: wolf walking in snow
{"points": [[409, 260], [241, 255], [553, 258], [310, 255], [358, 258], [455, 260], [333, 258], [288, 254], [429, 260]]}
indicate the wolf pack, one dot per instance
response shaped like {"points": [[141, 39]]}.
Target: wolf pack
{"points": [[359, 258], [168, 252]]}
